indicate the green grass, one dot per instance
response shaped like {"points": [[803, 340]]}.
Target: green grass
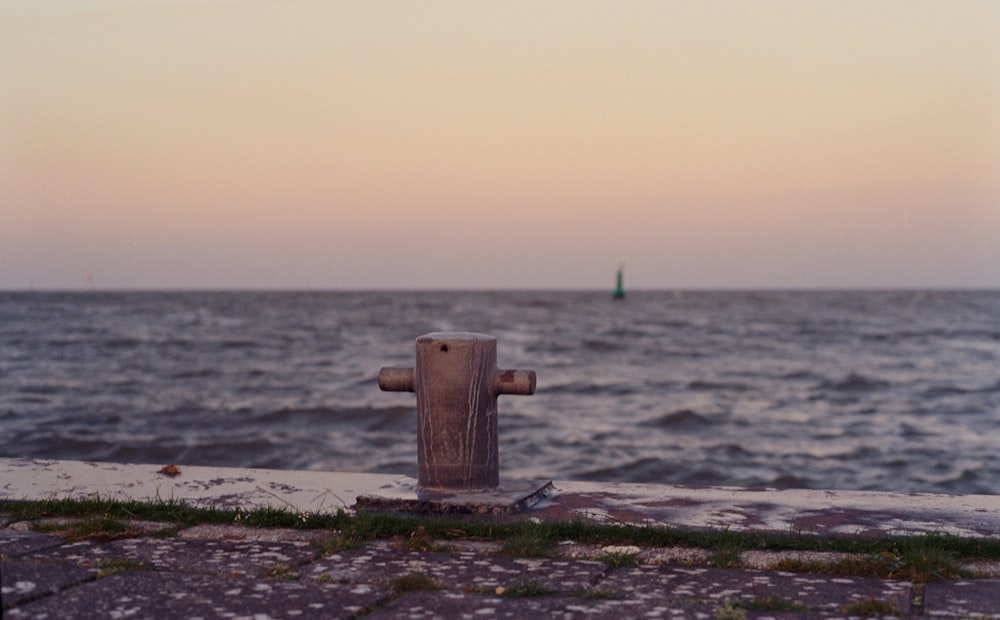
{"points": [[526, 588], [284, 572], [619, 560], [118, 565], [600, 594], [98, 528], [922, 561], [737, 609], [414, 582], [528, 545], [772, 603], [870, 608], [918, 558], [730, 610], [727, 557]]}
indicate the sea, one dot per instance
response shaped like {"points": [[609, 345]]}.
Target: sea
{"points": [[849, 390]]}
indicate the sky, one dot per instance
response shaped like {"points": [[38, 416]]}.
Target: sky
{"points": [[317, 144]]}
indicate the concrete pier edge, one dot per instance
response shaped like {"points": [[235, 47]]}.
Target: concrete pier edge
{"points": [[803, 511]]}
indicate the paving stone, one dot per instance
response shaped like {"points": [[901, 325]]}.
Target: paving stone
{"points": [[963, 599], [426, 605], [23, 580], [258, 534], [708, 587], [457, 570], [14, 543], [249, 558], [148, 594]]}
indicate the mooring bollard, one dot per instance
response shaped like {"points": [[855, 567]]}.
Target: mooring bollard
{"points": [[457, 384]]}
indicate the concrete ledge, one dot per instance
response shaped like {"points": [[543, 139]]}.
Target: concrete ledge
{"points": [[804, 511], [219, 487]]}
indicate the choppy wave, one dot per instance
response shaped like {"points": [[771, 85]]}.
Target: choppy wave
{"points": [[685, 418], [849, 390]]}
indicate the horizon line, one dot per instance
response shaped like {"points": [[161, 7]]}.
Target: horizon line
{"points": [[526, 289]]}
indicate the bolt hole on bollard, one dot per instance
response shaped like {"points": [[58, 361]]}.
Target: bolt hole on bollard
{"points": [[457, 383]]}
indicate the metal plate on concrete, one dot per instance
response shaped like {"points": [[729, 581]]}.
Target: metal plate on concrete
{"points": [[512, 496]]}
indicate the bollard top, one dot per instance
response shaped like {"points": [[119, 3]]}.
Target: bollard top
{"points": [[454, 336]]}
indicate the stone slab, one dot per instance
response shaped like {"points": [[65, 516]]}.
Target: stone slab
{"points": [[428, 605], [25, 580], [15, 543], [711, 588], [963, 599], [381, 563], [148, 594], [211, 557]]}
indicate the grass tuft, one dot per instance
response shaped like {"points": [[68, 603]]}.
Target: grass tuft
{"points": [[727, 557], [773, 603], [600, 594], [526, 588], [99, 528], [414, 582], [730, 610], [619, 560], [528, 545], [118, 565], [920, 562], [870, 608], [285, 572]]}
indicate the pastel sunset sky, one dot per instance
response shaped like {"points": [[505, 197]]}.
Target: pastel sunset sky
{"points": [[319, 144]]}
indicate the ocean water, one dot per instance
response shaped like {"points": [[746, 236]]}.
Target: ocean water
{"points": [[842, 390]]}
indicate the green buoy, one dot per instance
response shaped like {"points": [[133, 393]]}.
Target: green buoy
{"points": [[619, 287]]}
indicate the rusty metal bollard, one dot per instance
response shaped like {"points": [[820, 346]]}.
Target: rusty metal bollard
{"points": [[457, 384]]}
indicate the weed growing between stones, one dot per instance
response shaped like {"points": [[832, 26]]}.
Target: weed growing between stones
{"points": [[99, 528], [772, 603], [118, 565], [730, 610], [284, 572], [600, 594], [528, 545], [525, 588], [870, 608], [414, 582], [420, 540], [617, 556], [727, 557], [736, 609], [918, 564]]}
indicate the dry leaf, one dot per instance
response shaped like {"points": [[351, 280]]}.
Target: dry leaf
{"points": [[170, 470]]}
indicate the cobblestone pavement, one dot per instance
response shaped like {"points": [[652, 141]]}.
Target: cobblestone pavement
{"points": [[237, 572]]}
